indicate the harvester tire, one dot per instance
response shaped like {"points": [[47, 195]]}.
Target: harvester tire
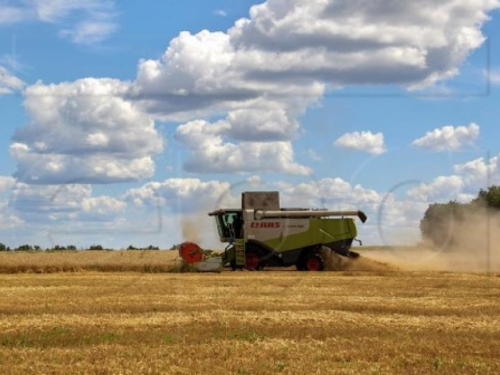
{"points": [[252, 261], [313, 262]]}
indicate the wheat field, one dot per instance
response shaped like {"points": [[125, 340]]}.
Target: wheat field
{"points": [[77, 261], [274, 322]]}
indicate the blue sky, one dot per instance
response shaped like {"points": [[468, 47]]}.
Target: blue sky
{"points": [[124, 123]]}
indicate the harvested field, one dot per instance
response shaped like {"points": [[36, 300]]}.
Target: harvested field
{"points": [[384, 322]]}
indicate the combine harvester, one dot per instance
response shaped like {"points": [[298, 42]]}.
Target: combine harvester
{"points": [[261, 234]]}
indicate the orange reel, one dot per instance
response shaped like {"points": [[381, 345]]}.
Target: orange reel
{"points": [[190, 252]]}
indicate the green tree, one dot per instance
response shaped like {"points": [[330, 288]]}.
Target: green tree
{"points": [[3, 247], [489, 198], [24, 248], [440, 221]]}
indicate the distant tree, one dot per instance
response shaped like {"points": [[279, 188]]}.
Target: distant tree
{"points": [[489, 198], [71, 247], [96, 247], [24, 248], [3, 247], [37, 248], [441, 221], [150, 247]]}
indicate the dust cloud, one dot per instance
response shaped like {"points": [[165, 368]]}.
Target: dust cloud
{"points": [[191, 231], [336, 262], [201, 229], [468, 245]]}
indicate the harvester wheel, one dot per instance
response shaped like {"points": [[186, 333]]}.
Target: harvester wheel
{"points": [[252, 261], [314, 262], [190, 252]]}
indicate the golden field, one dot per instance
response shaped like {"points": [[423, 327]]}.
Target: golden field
{"points": [[270, 322], [75, 261]]}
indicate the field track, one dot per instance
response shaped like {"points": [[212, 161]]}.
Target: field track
{"points": [[250, 323]]}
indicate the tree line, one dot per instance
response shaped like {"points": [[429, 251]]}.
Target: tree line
{"points": [[35, 248]]}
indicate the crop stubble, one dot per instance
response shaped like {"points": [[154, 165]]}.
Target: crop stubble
{"points": [[250, 323]]}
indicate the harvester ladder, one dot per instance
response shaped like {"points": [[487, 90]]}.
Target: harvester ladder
{"points": [[239, 246]]}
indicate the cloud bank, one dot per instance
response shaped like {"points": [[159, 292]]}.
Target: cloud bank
{"points": [[237, 95]]}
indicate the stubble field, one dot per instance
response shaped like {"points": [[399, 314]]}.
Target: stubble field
{"points": [[274, 322]]}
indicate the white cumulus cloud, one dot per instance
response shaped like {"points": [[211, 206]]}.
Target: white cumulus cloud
{"points": [[442, 189], [462, 186], [449, 138], [480, 172], [62, 203], [182, 194], [362, 141], [289, 50], [84, 132], [363, 41], [335, 193], [210, 153]]}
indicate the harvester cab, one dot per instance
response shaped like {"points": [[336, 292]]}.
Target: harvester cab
{"points": [[229, 224]]}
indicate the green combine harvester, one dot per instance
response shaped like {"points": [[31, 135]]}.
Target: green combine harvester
{"points": [[261, 234]]}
